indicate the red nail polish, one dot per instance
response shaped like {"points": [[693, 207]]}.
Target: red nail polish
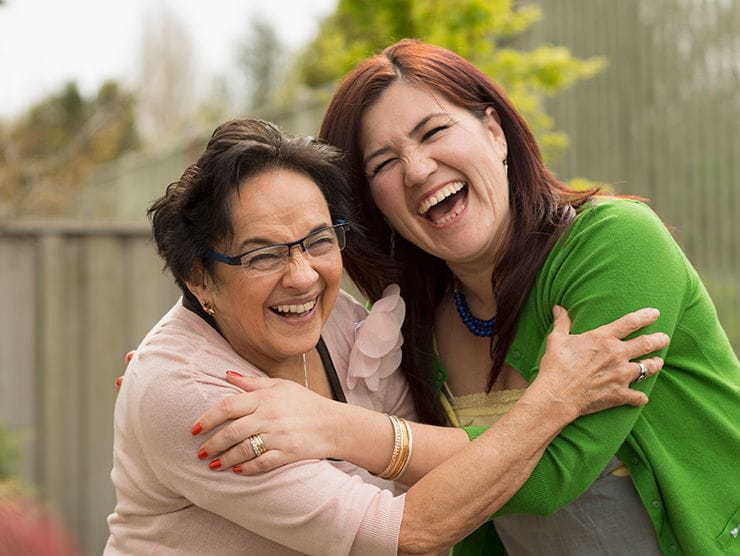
{"points": [[119, 381], [237, 469], [202, 454], [196, 430], [129, 356], [215, 464], [233, 373]]}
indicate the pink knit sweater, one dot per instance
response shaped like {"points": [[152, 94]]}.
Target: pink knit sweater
{"points": [[169, 502]]}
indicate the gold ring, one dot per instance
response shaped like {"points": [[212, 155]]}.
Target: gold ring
{"points": [[258, 446]]}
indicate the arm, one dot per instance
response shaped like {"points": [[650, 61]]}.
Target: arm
{"points": [[619, 257], [439, 509], [281, 505], [585, 373]]}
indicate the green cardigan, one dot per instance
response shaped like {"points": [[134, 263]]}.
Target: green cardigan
{"points": [[683, 448]]}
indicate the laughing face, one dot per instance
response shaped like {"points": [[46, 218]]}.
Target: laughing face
{"points": [[272, 317], [436, 172]]}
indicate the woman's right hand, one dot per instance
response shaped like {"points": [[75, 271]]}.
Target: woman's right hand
{"points": [[593, 371]]}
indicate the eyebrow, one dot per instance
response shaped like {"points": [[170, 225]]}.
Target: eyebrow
{"points": [[259, 242], [414, 131]]}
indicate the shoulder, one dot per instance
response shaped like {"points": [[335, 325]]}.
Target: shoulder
{"points": [[615, 228], [178, 371], [622, 217], [347, 313], [366, 345]]}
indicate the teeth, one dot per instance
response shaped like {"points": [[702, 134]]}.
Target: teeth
{"points": [[439, 196], [305, 307], [448, 217]]}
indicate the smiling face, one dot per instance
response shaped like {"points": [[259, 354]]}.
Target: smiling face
{"points": [[436, 172], [270, 318]]}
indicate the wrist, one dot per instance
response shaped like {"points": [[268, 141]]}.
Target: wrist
{"points": [[355, 429], [542, 397]]}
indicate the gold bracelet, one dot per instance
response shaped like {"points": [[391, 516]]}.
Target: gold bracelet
{"points": [[396, 446], [401, 448], [410, 447]]}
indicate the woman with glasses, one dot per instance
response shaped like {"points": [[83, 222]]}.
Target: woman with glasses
{"points": [[252, 234]]}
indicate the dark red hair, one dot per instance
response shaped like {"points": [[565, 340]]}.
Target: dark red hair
{"points": [[540, 207]]}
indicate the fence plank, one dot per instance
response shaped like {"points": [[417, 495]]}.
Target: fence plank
{"points": [[18, 403], [104, 345]]}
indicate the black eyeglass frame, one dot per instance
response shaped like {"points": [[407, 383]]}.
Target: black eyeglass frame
{"points": [[237, 260]]}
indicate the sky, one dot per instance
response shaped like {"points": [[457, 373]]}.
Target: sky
{"points": [[45, 43]]}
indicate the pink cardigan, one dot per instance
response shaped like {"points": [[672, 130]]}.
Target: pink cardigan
{"points": [[169, 502]]}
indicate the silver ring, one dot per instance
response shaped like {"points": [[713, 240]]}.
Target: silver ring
{"points": [[643, 372], [258, 446]]}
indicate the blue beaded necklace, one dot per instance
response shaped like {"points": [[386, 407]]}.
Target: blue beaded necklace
{"points": [[482, 328]]}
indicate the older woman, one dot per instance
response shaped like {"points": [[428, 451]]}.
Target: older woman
{"points": [[482, 239], [252, 234]]}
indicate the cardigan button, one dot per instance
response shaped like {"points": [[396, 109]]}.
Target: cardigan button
{"points": [[673, 548], [517, 354], [655, 504], [635, 461]]}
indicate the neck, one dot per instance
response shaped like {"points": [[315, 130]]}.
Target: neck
{"points": [[475, 283], [288, 368]]}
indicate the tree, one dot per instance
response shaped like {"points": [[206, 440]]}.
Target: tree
{"points": [[47, 153], [165, 87], [260, 58], [480, 30]]}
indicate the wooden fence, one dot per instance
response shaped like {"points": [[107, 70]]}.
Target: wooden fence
{"points": [[77, 298], [661, 122]]}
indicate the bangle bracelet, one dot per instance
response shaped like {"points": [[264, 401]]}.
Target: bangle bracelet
{"points": [[410, 448], [402, 445]]}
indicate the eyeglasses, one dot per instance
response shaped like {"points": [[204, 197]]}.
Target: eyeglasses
{"points": [[274, 258]]}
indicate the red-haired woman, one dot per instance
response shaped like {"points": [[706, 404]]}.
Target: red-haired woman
{"points": [[460, 211]]}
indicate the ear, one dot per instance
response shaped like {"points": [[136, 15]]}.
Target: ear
{"points": [[199, 284], [492, 121]]}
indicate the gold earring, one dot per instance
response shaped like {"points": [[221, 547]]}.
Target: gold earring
{"points": [[207, 307]]}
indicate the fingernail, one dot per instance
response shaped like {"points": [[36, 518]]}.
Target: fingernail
{"points": [[654, 312], [129, 356], [202, 454], [215, 464], [119, 381], [233, 373], [197, 429], [237, 469], [557, 310]]}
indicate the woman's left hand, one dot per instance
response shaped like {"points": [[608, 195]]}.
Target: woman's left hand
{"points": [[292, 422], [593, 371]]}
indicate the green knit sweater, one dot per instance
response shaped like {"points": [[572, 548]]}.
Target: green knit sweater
{"points": [[683, 448]]}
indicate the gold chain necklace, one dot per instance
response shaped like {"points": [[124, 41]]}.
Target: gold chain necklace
{"points": [[305, 371]]}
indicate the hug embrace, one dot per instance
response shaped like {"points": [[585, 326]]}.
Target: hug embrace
{"points": [[493, 399]]}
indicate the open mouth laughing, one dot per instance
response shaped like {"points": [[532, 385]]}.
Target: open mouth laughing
{"points": [[294, 310], [445, 204]]}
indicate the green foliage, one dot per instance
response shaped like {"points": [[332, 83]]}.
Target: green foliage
{"points": [[10, 453], [59, 142], [479, 30]]}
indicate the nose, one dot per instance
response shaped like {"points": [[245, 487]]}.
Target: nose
{"points": [[418, 166], [300, 273]]}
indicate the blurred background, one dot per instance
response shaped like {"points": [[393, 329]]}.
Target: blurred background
{"points": [[103, 104]]}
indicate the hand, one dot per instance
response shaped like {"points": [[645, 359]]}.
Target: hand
{"points": [[293, 422], [592, 371], [119, 380]]}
